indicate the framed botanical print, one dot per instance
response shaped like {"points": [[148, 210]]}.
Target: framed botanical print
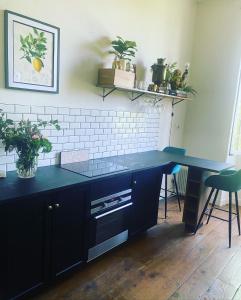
{"points": [[31, 54]]}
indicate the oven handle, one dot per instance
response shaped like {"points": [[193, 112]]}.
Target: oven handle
{"points": [[113, 210]]}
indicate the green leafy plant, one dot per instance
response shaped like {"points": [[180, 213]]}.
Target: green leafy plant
{"points": [[178, 79], [189, 89], [123, 49], [34, 48], [25, 137], [170, 69]]}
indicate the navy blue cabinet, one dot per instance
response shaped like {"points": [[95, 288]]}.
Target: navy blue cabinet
{"points": [[43, 238], [24, 246], [145, 195], [67, 226]]}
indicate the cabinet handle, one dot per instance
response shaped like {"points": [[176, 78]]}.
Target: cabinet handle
{"points": [[57, 205], [50, 207], [135, 182], [113, 210]]}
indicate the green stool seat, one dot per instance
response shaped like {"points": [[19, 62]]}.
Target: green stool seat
{"points": [[228, 181]]}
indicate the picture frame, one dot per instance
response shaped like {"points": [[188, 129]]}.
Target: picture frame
{"points": [[32, 50]]}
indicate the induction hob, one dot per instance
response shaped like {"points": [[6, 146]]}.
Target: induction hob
{"points": [[94, 167]]}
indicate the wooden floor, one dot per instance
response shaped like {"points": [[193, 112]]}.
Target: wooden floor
{"points": [[164, 263]]}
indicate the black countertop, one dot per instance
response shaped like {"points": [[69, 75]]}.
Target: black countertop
{"points": [[54, 177]]}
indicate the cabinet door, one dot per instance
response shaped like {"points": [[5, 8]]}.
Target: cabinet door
{"points": [[25, 227], [146, 191], [67, 230]]}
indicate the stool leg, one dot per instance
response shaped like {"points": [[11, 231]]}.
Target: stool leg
{"points": [[230, 219], [177, 192], [203, 212], [213, 204], [165, 196], [237, 211]]}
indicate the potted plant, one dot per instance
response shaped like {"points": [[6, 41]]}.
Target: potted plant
{"points": [[25, 137], [123, 50], [178, 81]]}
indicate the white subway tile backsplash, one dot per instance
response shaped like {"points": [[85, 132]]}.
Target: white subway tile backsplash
{"points": [[74, 139], [104, 113], [68, 146], [74, 111], [80, 119], [74, 125], [37, 109], [90, 119], [9, 108], [22, 109], [51, 110], [68, 118], [94, 112], [85, 125], [112, 113], [63, 139], [63, 111], [68, 132], [60, 118], [30, 117], [46, 118], [103, 133], [15, 117], [85, 112], [80, 131]]}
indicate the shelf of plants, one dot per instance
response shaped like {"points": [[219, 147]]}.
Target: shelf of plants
{"points": [[137, 93]]}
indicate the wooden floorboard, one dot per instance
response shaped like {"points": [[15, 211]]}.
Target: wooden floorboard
{"points": [[164, 263]]}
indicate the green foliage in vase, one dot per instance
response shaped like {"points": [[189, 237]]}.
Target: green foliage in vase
{"points": [[34, 48], [123, 49], [25, 137]]}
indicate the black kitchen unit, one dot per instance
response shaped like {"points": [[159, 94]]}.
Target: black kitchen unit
{"points": [[56, 222]]}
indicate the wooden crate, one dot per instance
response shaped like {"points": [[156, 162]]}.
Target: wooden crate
{"points": [[116, 77]]}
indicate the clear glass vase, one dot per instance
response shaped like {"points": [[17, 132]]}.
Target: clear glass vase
{"points": [[26, 168]]}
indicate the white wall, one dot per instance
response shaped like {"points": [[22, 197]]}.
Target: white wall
{"points": [[161, 28], [215, 70]]}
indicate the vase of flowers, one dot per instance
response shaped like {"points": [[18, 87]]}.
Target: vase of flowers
{"points": [[26, 139]]}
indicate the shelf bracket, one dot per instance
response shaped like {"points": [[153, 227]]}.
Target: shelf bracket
{"points": [[159, 100], [174, 103], [108, 93], [133, 97]]}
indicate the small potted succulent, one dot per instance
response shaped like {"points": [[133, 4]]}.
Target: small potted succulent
{"points": [[25, 137], [124, 51]]}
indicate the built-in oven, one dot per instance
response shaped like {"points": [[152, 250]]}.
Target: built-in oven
{"points": [[109, 222]]}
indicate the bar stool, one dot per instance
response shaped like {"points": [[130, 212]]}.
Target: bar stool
{"points": [[172, 169], [229, 181]]}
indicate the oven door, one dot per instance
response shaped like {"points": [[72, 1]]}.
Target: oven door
{"points": [[108, 224]]}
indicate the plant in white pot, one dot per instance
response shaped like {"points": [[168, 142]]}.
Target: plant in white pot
{"points": [[25, 137], [124, 51]]}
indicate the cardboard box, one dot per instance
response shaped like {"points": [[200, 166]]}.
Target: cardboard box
{"points": [[116, 77]]}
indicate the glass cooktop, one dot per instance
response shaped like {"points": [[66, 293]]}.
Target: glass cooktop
{"points": [[94, 167]]}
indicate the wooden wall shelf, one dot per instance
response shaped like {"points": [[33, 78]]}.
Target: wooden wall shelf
{"points": [[137, 93]]}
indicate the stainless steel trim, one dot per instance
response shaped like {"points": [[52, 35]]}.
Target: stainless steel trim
{"points": [[113, 210], [94, 202], [125, 198]]}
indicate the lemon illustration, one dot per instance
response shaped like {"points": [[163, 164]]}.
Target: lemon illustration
{"points": [[37, 64]]}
